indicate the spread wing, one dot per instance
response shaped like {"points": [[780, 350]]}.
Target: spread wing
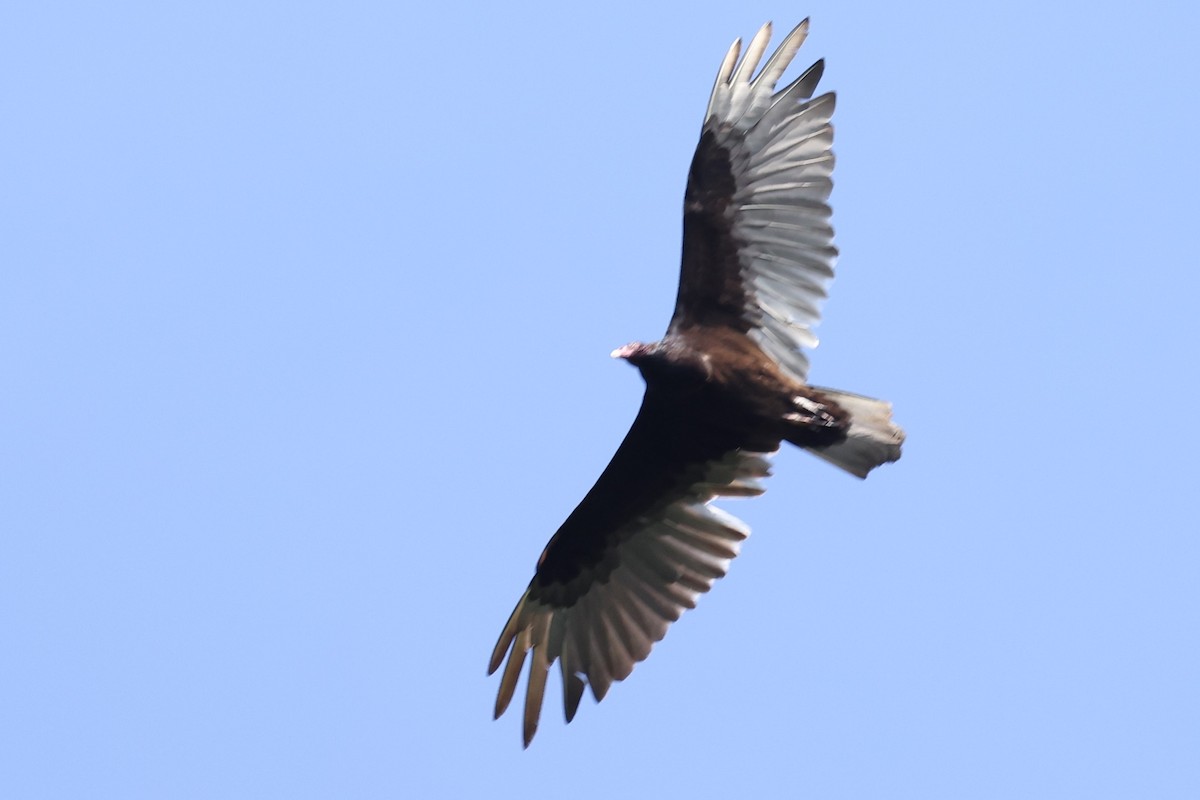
{"points": [[758, 248], [637, 551]]}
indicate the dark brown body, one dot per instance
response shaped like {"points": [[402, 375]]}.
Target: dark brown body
{"points": [[725, 379], [709, 391]]}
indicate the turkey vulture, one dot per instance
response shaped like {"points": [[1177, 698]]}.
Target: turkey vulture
{"points": [[724, 387]]}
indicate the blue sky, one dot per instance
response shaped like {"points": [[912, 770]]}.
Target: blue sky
{"points": [[305, 315]]}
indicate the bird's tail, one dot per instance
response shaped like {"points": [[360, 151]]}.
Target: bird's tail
{"points": [[872, 439]]}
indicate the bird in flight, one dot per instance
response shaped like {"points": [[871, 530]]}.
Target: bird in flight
{"points": [[724, 387]]}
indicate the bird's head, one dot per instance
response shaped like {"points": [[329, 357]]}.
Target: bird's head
{"points": [[635, 353], [669, 358]]}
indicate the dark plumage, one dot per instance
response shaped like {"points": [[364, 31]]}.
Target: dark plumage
{"points": [[724, 387]]}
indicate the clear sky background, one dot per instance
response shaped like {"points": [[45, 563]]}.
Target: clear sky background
{"points": [[305, 313]]}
